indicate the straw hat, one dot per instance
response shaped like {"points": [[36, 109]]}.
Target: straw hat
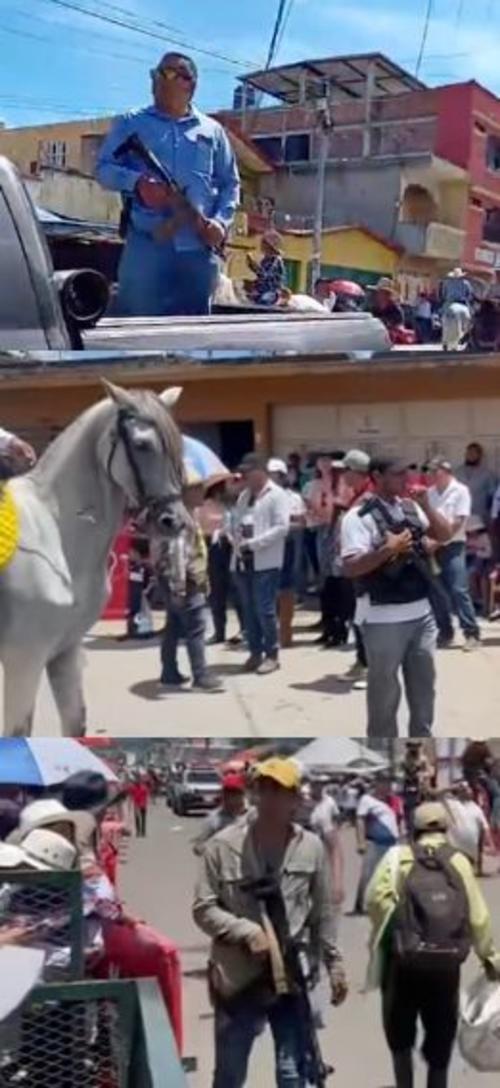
{"points": [[384, 284], [42, 849], [40, 814]]}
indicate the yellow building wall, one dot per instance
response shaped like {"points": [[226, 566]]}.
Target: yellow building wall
{"points": [[21, 145], [349, 248]]}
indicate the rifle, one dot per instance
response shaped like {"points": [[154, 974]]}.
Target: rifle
{"points": [[268, 892], [185, 210]]}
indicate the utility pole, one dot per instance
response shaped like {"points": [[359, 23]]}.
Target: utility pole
{"points": [[325, 125]]}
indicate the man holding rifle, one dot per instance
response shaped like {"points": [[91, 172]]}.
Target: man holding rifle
{"points": [[265, 898], [175, 169]]}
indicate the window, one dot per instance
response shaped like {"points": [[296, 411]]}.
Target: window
{"points": [[52, 153], [90, 147], [298, 147], [271, 147], [493, 153], [19, 316], [491, 225]]}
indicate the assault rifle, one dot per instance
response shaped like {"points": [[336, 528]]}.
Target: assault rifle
{"points": [[268, 892], [185, 211]]}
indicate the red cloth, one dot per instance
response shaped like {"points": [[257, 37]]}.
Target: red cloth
{"points": [[137, 951], [140, 793]]}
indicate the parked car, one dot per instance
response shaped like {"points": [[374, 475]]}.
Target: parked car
{"points": [[199, 788]]}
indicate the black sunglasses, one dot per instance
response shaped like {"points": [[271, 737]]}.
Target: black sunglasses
{"points": [[173, 73]]}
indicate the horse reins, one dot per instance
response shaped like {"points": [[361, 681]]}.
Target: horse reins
{"points": [[122, 434]]}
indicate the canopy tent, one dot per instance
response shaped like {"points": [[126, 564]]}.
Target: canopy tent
{"points": [[338, 754]]}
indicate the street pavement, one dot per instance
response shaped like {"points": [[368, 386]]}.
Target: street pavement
{"points": [[307, 697], [157, 883]]}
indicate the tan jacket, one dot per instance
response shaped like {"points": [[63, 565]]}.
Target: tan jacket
{"points": [[230, 915]]}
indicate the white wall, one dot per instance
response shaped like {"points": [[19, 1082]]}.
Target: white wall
{"points": [[417, 430]]}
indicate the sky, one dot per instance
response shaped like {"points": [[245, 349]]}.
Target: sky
{"points": [[58, 63]]}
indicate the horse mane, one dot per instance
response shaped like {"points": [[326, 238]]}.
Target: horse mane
{"points": [[91, 421]]}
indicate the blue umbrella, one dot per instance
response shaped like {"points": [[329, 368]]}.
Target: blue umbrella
{"points": [[46, 762], [201, 461]]}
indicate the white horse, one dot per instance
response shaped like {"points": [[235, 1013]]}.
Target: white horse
{"points": [[124, 452]]}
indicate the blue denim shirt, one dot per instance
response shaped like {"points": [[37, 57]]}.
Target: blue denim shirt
{"points": [[198, 154]]}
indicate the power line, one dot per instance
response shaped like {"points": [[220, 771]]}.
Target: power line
{"points": [[284, 24], [425, 33], [275, 34], [143, 29]]}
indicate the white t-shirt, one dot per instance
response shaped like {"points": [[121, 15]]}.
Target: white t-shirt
{"points": [[381, 822], [324, 816], [454, 502], [297, 506], [360, 536], [468, 823]]}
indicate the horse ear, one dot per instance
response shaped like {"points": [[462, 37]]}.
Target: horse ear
{"points": [[121, 396], [170, 396]]}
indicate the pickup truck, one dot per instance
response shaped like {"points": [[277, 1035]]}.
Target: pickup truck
{"points": [[198, 788], [61, 312]]}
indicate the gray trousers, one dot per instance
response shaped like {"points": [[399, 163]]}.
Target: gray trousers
{"points": [[409, 646]]}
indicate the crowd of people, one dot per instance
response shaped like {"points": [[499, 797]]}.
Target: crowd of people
{"points": [[421, 850], [395, 554]]}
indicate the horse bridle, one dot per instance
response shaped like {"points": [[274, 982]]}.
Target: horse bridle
{"points": [[121, 434]]}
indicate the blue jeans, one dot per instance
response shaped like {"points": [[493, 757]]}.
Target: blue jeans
{"points": [[259, 598], [156, 280], [456, 584], [186, 621], [236, 1031]]}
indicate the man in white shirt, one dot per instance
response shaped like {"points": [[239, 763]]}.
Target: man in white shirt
{"points": [[384, 544], [278, 473], [261, 523], [452, 500], [15, 454]]}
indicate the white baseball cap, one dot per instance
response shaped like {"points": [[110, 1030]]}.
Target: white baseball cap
{"points": [[275, 464], [50, 811]]}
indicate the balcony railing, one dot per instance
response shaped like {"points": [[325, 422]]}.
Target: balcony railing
{"points": [[436, 240]]}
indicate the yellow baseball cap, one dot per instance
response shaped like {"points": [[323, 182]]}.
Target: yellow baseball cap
{"points": [[283, 771], [431, 816]]}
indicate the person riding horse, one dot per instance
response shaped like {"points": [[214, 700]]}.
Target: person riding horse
{"points": [[16, 456]]}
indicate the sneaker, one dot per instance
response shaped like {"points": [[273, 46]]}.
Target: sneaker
{"points": [[361, 683], [472, 642], [445, 641], [208, 683], [177, 680], [356, 672], [253, 663], [269, 665], [214, 640]]}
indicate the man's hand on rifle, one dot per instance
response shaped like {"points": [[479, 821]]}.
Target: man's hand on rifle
{"points": [[212, 233], [258, 943], [155, 194], [338, 984], [398, 543]]}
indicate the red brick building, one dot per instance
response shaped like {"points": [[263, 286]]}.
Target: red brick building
{"points": [[420, 165]]}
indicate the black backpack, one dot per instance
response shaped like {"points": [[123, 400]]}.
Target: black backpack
{"points": [[432, 930]]}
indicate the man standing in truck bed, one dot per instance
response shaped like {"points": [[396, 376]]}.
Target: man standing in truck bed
{"points": [[169, 265]]}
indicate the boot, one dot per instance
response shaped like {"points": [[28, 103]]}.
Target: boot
{"points": [[286, 610], [403, 1069], [437, 1078]]}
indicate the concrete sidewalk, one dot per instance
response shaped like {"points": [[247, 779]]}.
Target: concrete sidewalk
{"points": [[307, 697]]}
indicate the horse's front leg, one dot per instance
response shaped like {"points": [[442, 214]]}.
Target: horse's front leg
{"points": [[22, 675], [65, 676]]}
